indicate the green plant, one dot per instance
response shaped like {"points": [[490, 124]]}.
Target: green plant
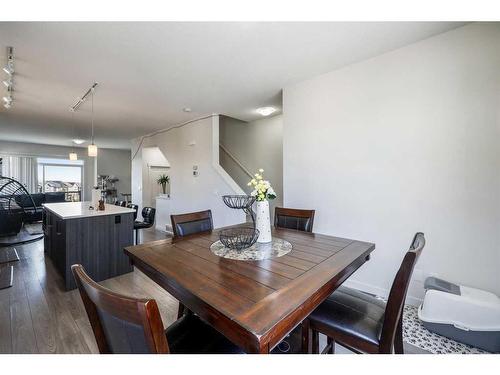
{"points": [[163, 180]]}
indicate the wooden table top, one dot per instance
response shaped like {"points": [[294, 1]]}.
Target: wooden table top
{"points": [[254, 303]]}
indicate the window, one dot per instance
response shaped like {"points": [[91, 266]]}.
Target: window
{"points": [[57, 175]]}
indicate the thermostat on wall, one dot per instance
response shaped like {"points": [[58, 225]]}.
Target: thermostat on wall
{"points": [[195, 171]]}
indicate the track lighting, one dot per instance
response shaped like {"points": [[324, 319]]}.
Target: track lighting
{"points": [[9, 70], [8, 83], [92, 148]]}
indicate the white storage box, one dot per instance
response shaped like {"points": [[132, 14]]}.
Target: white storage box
{"points": [[468, 315]]}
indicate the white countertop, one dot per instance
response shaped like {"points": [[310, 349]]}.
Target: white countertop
{"points": [[73, 210]]}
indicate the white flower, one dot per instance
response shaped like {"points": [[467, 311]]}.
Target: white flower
{"points": [[261, 170]]}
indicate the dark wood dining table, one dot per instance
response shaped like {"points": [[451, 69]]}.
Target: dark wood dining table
{"points": [[255, 304]]}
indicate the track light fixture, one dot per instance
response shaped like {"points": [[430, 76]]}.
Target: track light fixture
{"points": [[92, 148], [9, 67], [8, 82]]}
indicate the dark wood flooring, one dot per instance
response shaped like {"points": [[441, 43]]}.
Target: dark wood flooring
{"points": [[38, 316]]}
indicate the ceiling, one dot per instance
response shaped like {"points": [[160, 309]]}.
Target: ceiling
{"points": [[149, 72]]}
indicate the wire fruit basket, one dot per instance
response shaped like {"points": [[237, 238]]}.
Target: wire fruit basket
{"points": [[243, 237], [239, 238]]}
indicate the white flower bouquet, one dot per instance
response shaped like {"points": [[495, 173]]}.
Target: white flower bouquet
{"points": [[263, 190]]}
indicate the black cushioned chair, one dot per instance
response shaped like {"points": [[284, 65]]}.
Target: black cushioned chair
{"points": [[134, 207], [292, 218], [121, 203], [360, 321], [148, 219], [191, 223], [127, 325]]}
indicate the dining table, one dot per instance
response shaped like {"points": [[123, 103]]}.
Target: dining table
{"points": [[254, 303]]}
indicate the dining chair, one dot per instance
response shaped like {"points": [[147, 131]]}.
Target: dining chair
{"points": [[360, 321], [190, 223], [134, 207], [148, 219], [128, 325], [292, 218]]}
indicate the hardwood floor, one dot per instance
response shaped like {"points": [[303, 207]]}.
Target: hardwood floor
{"points": [[38, 316]]}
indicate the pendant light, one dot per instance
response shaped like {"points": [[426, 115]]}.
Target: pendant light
{"points": [[92, 147], [73, 156]]}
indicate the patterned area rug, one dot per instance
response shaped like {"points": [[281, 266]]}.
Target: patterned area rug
{"points": [[416, 334]]}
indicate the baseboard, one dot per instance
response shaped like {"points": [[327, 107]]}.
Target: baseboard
{"points": [[356, 284]]}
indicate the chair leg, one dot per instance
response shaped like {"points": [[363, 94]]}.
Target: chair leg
{"points": [[181, 310], [315, 342], [137, 236], [398, 339], [330, 343], [306, 337]]}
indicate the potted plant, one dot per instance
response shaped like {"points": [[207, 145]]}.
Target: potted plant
{"points": [[163, 180], [263, 192]]}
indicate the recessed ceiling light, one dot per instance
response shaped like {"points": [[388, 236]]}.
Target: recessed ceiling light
{"points": [[78, 141], [266, 111], [187, 109]]}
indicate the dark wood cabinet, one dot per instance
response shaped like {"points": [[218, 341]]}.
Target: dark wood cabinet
{"points": [[96, 242]]}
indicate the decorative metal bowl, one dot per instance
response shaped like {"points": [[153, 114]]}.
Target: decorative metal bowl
{"points": [[238, 238], [238, 201], [242, 202]]}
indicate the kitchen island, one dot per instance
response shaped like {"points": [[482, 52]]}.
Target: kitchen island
{"points": [[75, 233]]}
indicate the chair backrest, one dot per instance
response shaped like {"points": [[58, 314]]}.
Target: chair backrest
{"points": [[134, 207], [191, 223], [148, 215], [121, 324], [121, 203], [397, 295], [292, 218]]}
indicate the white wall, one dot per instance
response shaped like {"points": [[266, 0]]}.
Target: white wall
{"points": [[184, 147], [256, 144], [405, 142]]}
